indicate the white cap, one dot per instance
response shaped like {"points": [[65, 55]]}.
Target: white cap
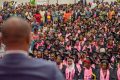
{"points": [[102, 50]]}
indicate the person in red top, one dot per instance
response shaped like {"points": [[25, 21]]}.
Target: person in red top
{"points": [[37, 16]]}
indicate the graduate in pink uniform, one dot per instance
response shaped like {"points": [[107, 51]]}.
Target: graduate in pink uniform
{"points": [[60, 64], [105, 72], [71, 71], [87, 71], [35, 34], [68, 46], [118, 69], [78, 45]]}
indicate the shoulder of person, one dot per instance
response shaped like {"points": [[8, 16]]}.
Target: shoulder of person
{"points": [[97, 71], [1, 61], [113, 74], [45, 63], [51, 68]]}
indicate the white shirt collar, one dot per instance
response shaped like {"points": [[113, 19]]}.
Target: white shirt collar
{"points": [[16, 51]]}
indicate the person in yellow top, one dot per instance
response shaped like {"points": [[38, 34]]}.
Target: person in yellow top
{"points": [[111, 13]]}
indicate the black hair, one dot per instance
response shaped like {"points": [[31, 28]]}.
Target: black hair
{"points": [[31, 55], [37, 12], [35, 29], [106, 62]]}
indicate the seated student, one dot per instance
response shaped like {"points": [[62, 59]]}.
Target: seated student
{"points": [[39, 54], [52, 57], [71, 71], [46, 55], [35, 52], [60, 64], [78, 66], [87, 73], [105, 73], [118, 69]]}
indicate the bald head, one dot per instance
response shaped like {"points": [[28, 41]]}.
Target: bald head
{"points": [[16, 33]]}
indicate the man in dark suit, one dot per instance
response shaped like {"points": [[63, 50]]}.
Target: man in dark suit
{"points": [[16, 65]]}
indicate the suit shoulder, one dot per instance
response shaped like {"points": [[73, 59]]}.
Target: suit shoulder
{"points": [[97, 70], [0, 61], [45, 63]]}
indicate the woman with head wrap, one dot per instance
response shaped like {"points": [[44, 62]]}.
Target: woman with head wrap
{"points": [[71, 71]]}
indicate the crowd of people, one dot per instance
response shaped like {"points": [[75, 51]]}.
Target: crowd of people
{"points": [[82, 39]]}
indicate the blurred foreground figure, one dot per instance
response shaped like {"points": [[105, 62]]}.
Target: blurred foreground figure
{"points": [[16, 65]]}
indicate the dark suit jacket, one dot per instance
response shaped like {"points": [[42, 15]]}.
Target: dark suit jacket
{"points": [[76, 15], [113, 75], [21, 67]]}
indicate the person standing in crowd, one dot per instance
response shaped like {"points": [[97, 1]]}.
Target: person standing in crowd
{"points": [[71, 71], [35, 34], [38, 17], [45, 15], [67, 16], [30, 69], [34, 38], [42, 12], [39, 54], [28, 15], [60, 64], [5, 4], [49, 16], [118, 69], [1, 18], [111, 14], [105, 72], [46, 55], [87, 72]]}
